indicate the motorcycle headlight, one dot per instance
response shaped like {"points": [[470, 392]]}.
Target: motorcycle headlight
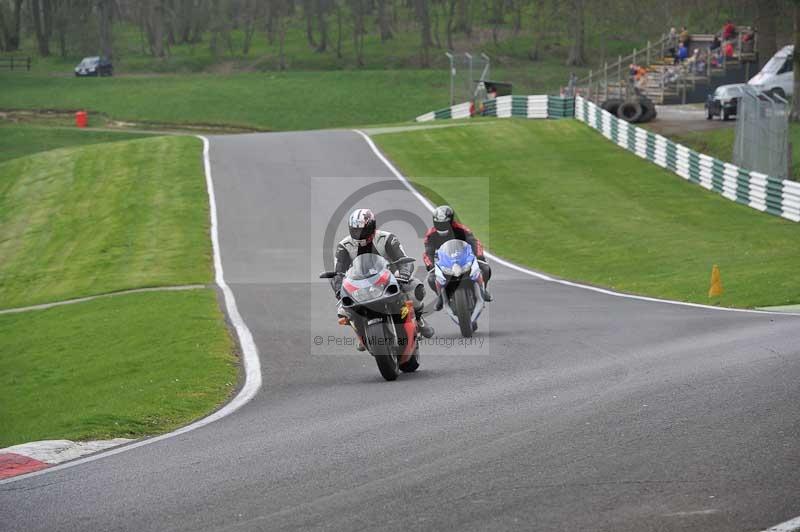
{"points": [[444, 269], [367, 293]]}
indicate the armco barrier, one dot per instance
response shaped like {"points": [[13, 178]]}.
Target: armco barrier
{"points": [[540, 106], [756, 190]]}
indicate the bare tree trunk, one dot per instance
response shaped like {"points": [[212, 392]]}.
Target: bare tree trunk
{"points": [[271, 19], [463, 17], [451, 9], [496, 18], [322, 7], [42, 40], [357, 13], [157, 25], [423, 18], [16, 27], [384, 21], [796, 67], [435, 26], [4, 36], [251, 16], [105, 10], [577, 54], [309, 16], [518, 6], [282, 23], [767, 14], [339, 29]]}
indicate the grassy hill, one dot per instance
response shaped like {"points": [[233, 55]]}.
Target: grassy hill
{"points": [[566, 201]]}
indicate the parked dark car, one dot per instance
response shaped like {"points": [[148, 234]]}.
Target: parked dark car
{"points": [[724, 101], [94, 66]]}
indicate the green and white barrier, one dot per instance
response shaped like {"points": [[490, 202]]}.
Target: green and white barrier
{"points": [[538, 106], [462, 110], [754, 189]]}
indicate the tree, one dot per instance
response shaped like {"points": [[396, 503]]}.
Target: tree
{"points": [[40, 13], [384, 20], [577, 53], [105, 13], [357, 13], [321, 8], [423, 18], [766, 14], [796, 67], [11, 29]]}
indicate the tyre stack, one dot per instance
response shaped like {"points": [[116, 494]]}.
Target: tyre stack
{"points": [[636, 111]]}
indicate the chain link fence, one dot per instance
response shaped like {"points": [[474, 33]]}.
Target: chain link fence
{"points": [[466, 72], [762, 133]]}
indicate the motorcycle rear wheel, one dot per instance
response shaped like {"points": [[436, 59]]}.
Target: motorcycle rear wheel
{"points": [[463, 303], [379, 345]]}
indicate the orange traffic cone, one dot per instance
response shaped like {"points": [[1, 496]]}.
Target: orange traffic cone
{"points": [[716, 283]]}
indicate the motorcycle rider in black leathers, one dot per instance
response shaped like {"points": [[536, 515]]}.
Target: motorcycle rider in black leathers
{"points": [[365, 238], [446, 228]]}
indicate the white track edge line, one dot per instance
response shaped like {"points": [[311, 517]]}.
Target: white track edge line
{"points": [[547, 278], [792, 525], [62, 303], [252, 364]]}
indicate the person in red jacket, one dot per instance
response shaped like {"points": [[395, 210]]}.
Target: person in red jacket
{"points": [[446, 228]]}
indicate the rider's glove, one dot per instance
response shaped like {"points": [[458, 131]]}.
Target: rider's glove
{"points": [[403, 277]]}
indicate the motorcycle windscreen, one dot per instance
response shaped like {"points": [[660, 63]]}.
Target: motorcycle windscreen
{"points": [[455, 252], [367, 265]]}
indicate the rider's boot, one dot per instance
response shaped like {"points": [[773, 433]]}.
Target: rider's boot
{"points": [[360, 345], [487, 296], [424, 329], [439, 305]]}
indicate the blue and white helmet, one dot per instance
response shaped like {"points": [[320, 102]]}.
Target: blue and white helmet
{"points": [[362, 226]]}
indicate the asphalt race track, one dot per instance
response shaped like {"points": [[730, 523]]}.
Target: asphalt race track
{"points": [[573, 410]]}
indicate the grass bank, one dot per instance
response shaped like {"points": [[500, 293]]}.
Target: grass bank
{"points": [[17, 140], [719, 143], [88, 220], [566, 201], [92, 219], [117, 367], [265, 101]]}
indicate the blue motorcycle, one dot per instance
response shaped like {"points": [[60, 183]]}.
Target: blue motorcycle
{"points": [[459, 280]]}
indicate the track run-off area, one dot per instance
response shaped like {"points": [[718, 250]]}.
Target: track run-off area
{"points": [[572, 409]]}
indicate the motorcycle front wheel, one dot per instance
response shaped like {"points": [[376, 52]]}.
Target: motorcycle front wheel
{"points": [[380, 345], [463, 302]]}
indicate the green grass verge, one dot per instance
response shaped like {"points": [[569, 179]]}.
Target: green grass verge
{"points": [[84, 220], [566, 201], [124, 366], [267, 101], [88, 220], [719, 143], [17, 140]]}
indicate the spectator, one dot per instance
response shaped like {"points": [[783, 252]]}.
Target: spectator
{"points": [[684, 38], [748, 41], [729, 49], [672, 43], [716, 43], [683, 53], [640, 76], [728, 31], [690, 62], [701, 62]]}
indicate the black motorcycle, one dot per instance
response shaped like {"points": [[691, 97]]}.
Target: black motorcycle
{"points": [[381, 314]]}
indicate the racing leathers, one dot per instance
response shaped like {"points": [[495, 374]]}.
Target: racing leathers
{"points": [[388, 246]]}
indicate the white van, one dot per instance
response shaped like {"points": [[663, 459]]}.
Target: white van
{"points": [[777, 77]]}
